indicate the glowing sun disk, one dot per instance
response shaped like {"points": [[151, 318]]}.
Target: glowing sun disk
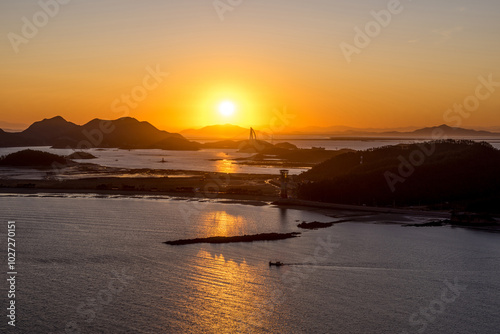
{"points": [[226, 108]]}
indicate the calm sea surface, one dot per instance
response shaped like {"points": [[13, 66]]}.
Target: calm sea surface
{"points": [[98, 265]]}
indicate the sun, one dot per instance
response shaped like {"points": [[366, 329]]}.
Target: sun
{"points": [[227, 108]]}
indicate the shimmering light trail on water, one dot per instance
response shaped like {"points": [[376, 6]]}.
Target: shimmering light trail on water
{"points": [[72, 249]]}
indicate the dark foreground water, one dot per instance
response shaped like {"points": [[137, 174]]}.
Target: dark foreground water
{"points": [[98, 265]]}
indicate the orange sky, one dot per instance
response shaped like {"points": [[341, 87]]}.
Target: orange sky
{"points": [[96, 59]]}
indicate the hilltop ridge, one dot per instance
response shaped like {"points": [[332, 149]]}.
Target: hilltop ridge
{"points": [[125, 132], [431, 173]]}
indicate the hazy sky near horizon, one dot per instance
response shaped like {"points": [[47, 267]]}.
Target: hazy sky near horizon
{"points": [[99, 58]]}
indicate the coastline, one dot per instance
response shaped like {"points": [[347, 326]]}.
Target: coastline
{"points": [[187, 184], [252, 189], [342, 212], [361, 208]]}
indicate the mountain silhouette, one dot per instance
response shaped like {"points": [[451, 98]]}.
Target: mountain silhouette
{"points": [[435, 132], [126, 132], [407, 132], [451, 132], [48, 130]]}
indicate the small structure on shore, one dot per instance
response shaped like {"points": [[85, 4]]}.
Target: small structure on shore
{"points": [[284, 183]]}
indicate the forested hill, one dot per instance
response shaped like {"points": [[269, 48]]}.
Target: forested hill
{"points": [[466, 173]]}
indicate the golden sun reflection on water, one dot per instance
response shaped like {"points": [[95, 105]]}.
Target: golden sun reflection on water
{"points": [[221, 223], [225, 165], [225, 294]]}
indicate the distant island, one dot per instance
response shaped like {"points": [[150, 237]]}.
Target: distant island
{"points": [[243, 238], [33, 158], [351, 133], [443, 130]]}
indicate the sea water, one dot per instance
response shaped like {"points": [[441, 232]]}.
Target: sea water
{"points": [[98, 264]]}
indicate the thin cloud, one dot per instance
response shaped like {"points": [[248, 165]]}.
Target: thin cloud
{"points": [[447, 33]]}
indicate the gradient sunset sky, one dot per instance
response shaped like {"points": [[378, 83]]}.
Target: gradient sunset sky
{"points": [[263, 55]]}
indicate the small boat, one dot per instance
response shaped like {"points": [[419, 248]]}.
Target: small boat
{"points": [[277, 263], [162, 160]]}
